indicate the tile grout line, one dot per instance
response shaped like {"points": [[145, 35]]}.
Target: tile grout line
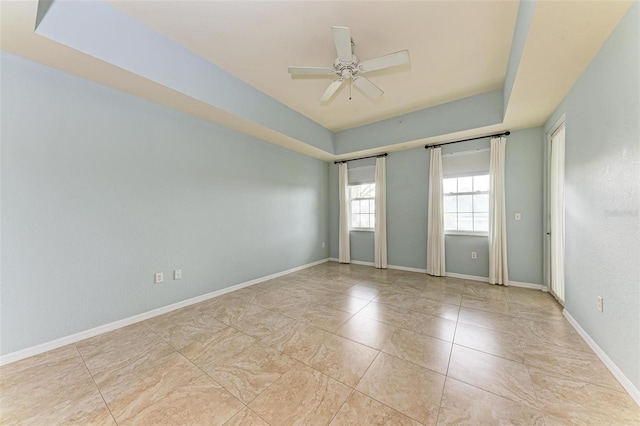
{"points": [[369, 396], [341, 405], [315, 369], [498, 395], [373, 398], [279, 378], [204, 373], [352, 315], [501, 396], [444, 386], [95, 384], [254, 343], [446, 375]]}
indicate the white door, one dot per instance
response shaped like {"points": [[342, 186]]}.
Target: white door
{"points": [[556, 213]]}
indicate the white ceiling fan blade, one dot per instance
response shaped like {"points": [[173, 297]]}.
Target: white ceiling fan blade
{"points": [[368, 88], [311, 70], [331, 90], [342, 39], [386, 61]]}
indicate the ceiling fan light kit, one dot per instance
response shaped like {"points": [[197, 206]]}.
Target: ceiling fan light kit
{"points": [[347, 66]]}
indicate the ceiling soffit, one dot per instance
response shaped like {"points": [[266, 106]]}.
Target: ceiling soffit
{"points": [[174, 65]]}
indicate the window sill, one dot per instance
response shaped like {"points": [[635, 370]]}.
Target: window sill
{"points": [[467, 233], [362, 230]]}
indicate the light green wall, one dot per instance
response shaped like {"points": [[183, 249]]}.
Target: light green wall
{"points": [[407, 174], [407, 194], [524, 194], [602, 196], [101, 189]]}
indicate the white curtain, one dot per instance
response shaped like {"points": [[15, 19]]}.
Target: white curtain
{"points": [[556, 212], [380, 235], [344, 250], [498, 271], [435, 218]]}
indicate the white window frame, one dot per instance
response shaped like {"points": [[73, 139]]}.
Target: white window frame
{"points": [[361, 229], [466, 232]]}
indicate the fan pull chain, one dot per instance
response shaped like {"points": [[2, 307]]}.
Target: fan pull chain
{"points": [[350, 87]]}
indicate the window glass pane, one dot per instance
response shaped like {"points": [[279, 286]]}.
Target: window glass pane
{"points": [[481, 222], [367, 190], [362, 205], [466, 212], [464, 203], [465, 184], [465, 221], [481, 203], [372, 220], [481, 183], [450, 185], [451, 221], [450, 204]]}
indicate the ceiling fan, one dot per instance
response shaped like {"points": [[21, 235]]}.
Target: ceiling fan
{"points": [[348, 66]]}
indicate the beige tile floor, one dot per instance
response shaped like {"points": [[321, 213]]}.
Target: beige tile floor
{"points": [[333, 344]]}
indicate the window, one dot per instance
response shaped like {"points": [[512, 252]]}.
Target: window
{"points": [[362, 200], [466, 204]]}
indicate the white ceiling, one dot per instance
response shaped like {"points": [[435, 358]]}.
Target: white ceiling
{"points": [[458, 49]]}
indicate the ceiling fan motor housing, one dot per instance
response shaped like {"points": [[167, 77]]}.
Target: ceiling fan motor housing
{"points": [[346, 69]]}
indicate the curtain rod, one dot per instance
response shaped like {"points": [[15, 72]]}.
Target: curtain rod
{"points": [[507, 133], [361, 158]]}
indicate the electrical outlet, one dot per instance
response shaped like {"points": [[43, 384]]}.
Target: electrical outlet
{"points": [[474, 255], [518, 216], [600, 308], [159, 277], [177, 274], [323, 244]]}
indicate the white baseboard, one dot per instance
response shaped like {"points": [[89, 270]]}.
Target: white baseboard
{"points": [[467, 277], [67, 340], [359, 262], [407, 268], [528, 285], [397, 267], [617, 373], [450, 274], [486, 280]]}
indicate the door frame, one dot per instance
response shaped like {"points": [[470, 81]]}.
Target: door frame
{"points": [[547, 203]]}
